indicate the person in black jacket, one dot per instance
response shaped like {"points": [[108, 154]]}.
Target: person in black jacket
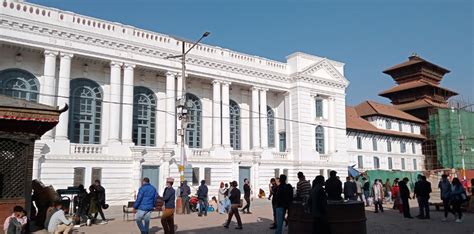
{"points": [[423, 194], [333, 187], [284, 197], [246, 196], [318, 205], [234, 196], [100, 200], [405, 195]]}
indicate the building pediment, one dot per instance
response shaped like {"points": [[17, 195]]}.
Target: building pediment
{"points": [[323, 71]]}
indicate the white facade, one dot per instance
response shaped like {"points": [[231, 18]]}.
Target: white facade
{"points": [[107, 62], [372, 150]]}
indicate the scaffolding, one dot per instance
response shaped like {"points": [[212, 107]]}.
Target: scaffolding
{"points": [[450, 134]]}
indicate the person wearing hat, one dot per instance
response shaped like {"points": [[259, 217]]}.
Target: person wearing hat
{"points": [[203, 199], [144, 205], [334, 187], [167, 218], [405, 195]]}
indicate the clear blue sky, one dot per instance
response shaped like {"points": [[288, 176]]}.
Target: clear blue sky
{"points": [[367, 35]]}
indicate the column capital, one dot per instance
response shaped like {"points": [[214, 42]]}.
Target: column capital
{"points": [[128, 66], [169, 73], [66, 55], [255, 88], [115, 64], [50, 53], [214, 82], [225, 82], [263, 89]]}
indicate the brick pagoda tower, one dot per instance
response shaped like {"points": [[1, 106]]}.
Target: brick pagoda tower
{"points": [[417, 92]]}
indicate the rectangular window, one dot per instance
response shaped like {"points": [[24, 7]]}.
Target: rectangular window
{"points": [[207, 175], [359, 143], [400, 126], [282, 137], [388, 124], [415, 167], [403, 147], [376, 163], [413, 149], [412, 128], [277, 173], [285, 172], [321, 172], [79, 176], [360, 161], [374, 144], [403, 164], [96, 174], [319, 108], [389, 146], [390, 163], [196, 176]]}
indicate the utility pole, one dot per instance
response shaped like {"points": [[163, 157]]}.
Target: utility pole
{"points": [[182, 105]]}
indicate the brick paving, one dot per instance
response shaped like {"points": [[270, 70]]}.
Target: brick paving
{"points": [[258, 222]]}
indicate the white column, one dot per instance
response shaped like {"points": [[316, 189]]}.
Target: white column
{"points": [[170, 119], [127, 103], [49, 89], [114, 120], [225, 115], [332, 120], [255, 119], [216, 113], [179, 96], [263, 119], [63, 95]]}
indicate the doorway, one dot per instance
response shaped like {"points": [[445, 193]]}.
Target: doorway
{"points": [[244, 172], [153, 173]]}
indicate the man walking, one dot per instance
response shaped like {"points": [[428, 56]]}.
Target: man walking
{"points": [[424, 197], [445, 189], [246, 196], [185, 192], [350, 189], [144, 205], [359, 189], [333, 187], [234, 196], [378, 194], [415, 195], [366, 189], [100, 202], [284, 197], [203, 199], [167, 218], [405, 195]]}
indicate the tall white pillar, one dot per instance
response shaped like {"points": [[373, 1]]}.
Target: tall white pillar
{"points": [[49, 90], [216, 114], [179, 96], [332, 121], [263, 118], [255, 119], [63, 95], [170, 119], [225, 115], [127, 103], [114, 120]]}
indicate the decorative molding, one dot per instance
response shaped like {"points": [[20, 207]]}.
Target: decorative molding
{"points": [[66, 55], [50, 53], [115, 64], [128, 66]]}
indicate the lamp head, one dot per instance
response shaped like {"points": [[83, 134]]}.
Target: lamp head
{"points": [[206, 34]]}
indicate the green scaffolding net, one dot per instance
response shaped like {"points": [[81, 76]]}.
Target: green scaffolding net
{"points": [[391, 175], [453, 131]]}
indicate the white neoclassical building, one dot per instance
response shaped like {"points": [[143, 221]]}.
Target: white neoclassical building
{"points": [[382, 137], [251, 116]]}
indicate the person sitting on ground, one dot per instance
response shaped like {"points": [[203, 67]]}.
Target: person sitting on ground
{"points": [[15, 223], [50, 211], [58, 222]]}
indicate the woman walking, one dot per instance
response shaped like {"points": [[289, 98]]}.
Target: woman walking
{"points": [[234, 196], [378, 194], [458, 196]]}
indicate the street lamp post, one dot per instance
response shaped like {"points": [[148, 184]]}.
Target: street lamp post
{"points": [[182, 107]]}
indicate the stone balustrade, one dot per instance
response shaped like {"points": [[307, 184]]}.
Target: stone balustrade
{"points": [[87, 149]]}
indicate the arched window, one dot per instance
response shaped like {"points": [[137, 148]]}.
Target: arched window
{"points": [[193, 130], [86, 112], [319, 135], [271, 127], [19, 84], [144, 116], [234, 112]]}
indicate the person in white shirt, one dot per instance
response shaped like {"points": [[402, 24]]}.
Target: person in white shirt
{"points": [[58, 222]]}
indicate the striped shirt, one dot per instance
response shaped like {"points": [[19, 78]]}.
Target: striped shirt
{"points": [[303, 188]]}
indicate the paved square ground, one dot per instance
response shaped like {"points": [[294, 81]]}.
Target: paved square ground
{"points": [[259, 221]]}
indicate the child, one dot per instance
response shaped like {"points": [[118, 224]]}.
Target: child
{"points": [[15, 223]]}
